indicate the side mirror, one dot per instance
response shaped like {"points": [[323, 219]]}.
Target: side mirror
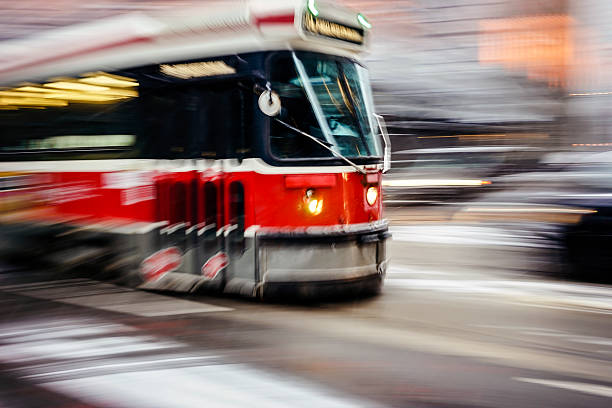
{"points": [[269, 103], [387, 148]]}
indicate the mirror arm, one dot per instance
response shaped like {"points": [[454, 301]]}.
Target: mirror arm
{"points": [[387, 149], [335, 153]]}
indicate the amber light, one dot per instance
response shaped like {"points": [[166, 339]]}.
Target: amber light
{"points": [[371, 195], [314, 205]]}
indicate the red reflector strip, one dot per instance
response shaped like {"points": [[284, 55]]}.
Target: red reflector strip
{"points": [[310, 180], [280, 19]]}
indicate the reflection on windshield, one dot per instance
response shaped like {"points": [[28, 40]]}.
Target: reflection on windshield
{"points": [[340, 99]]}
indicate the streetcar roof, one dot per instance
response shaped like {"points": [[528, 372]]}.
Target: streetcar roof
{"points": [[221, 28]]}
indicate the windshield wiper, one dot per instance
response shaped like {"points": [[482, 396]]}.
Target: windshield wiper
{"points": [[326, 145]]}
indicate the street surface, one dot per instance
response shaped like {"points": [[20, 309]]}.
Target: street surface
{"points": [[471, 316]]}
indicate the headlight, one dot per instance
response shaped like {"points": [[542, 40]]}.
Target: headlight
{"points": [[315, 206], [371, 195], [313, 203]]}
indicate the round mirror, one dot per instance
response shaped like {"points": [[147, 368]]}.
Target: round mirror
{"points": [[269, 103]]}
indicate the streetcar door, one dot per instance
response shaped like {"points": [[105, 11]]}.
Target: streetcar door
{"points": [[241, 273], [172, 200], [212, 258]]}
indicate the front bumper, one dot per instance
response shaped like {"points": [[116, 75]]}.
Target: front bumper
{"points": [[322, 256]]}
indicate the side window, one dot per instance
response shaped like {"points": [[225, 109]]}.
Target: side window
{"points": [[226, 117], [198, 121], [71, 119], [171, 125]]}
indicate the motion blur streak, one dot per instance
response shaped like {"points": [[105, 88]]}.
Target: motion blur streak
{"points": [[306, 203]]}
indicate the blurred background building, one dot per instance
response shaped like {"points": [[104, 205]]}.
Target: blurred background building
{"points": [[448, 72]]}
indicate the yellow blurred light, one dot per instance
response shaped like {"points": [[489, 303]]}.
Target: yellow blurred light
{"points": [[83, 97], [371, 195], [30, 88], [67, 90], [71, 95], [68, 96], [110, 81], [31, 101], [21, 94], [590, 144], [76, 86], [315, 206], [42, 92]]}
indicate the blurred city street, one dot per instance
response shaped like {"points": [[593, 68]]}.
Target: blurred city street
{"points": [[467, 318], [168, 167]]}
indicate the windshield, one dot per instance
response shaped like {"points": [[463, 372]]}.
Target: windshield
{"points": [[327, 97]]}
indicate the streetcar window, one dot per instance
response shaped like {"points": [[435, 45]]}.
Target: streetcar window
{"points": [[170, 122], [196, 122], [153, 119], [337, 88], [90, 116], [75, 131], [286, 143]]}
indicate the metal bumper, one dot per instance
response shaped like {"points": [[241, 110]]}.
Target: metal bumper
{"points": [[322, 255]]}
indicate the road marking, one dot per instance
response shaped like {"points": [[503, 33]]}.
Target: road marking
{"points": [[570, 296], [468, 235], [113, 298], [49, 340], [557, 334], [397, 270], [220, 385], [120, 365], [593, 389], [574, 338], [93, 366], [569, 309]]}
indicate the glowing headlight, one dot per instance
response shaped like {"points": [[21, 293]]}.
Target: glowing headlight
{"points": [[313, 204], [371, 195]]}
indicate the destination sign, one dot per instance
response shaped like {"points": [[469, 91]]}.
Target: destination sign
{"points": [[325, 28]]}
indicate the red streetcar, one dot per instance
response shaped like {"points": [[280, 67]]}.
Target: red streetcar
{"points": [[233, 149]]}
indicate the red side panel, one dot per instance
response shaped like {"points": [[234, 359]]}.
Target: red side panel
{"points": [[278, 200]]}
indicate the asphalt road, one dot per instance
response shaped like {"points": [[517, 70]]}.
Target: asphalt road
{"points": [[469, 317]]}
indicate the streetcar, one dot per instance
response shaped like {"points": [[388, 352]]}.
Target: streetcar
{"points": [[232, 149]]}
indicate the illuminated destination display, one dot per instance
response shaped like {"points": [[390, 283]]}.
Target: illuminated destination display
{"points": [[197, 69], [325, 28]]}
